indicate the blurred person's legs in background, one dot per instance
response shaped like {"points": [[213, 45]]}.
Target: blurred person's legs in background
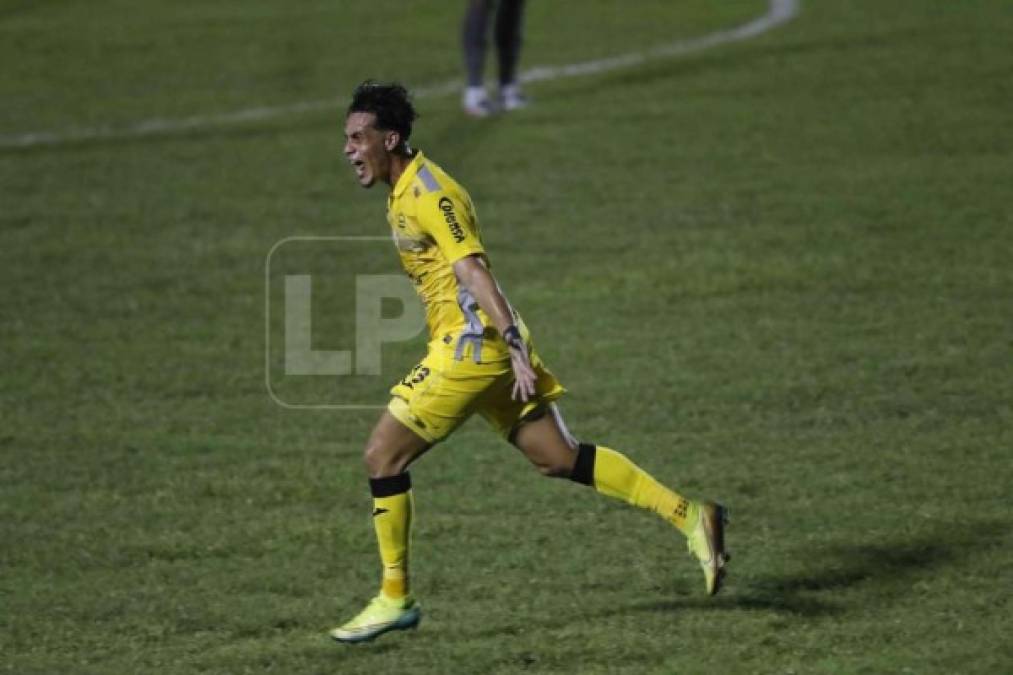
{"points": [[509, 37]]}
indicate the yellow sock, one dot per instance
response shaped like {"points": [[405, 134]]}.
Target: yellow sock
{"points": [[616, 476], [392, 520]]}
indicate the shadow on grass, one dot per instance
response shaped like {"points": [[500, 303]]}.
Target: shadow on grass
{"points": [[886, 568]]}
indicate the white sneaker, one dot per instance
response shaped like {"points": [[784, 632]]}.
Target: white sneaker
{"points": [[511, 98], [476, 102]]}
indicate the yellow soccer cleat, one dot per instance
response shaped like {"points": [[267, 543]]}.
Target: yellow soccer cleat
{"points": [[707, 543], [382, 614]]}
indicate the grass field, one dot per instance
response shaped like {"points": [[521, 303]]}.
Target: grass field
{"points": [[778, 273]]}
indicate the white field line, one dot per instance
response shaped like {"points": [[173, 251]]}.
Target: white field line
{"points": [[778, 12]]}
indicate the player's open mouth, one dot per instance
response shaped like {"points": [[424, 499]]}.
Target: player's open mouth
{"points": [[359, 166]]}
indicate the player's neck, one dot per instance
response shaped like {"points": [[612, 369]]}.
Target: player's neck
{"points": [[398, 163]]}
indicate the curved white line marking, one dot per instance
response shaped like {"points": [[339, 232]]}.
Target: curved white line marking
{"points": [[778, 12]]}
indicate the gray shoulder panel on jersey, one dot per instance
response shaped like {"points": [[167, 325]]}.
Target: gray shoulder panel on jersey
{"points": [[428, 179]]}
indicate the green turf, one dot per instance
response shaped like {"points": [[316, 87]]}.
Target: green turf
{"points": [[778, 273]]}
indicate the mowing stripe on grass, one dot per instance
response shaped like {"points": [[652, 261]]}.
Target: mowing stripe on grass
{"points": [[778, 12]]}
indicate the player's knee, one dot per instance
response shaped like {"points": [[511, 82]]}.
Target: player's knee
{"points": [[380, 462]]}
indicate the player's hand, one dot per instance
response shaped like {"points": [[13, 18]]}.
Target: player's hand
{"points": [[520, 362], [524, 376]]}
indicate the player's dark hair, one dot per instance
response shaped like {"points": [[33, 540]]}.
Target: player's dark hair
{"points": [[392, 106]]}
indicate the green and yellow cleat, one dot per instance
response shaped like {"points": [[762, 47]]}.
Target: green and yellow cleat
{"points": [[382, 614], [707, 543]]}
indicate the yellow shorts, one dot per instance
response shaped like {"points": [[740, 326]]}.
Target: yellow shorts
{"points": [[440, 393]]}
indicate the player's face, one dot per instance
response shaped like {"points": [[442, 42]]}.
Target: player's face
{"points": [[368, 148]]}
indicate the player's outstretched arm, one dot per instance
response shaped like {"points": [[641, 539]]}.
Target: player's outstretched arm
{"points": [[478, 280]]}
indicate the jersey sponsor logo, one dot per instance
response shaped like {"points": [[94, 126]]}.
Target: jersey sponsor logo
{"points": [[379, 512], [448, 215]]}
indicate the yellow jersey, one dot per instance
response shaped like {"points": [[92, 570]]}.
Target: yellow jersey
{"points": [[433, 224]]}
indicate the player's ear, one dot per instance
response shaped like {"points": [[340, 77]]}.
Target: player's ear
{"points": [[392, 140]]}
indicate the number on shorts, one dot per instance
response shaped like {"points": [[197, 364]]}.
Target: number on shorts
{"points": [[418, 374]]}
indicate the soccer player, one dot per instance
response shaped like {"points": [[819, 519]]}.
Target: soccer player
{"points": [[480, 360]]}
